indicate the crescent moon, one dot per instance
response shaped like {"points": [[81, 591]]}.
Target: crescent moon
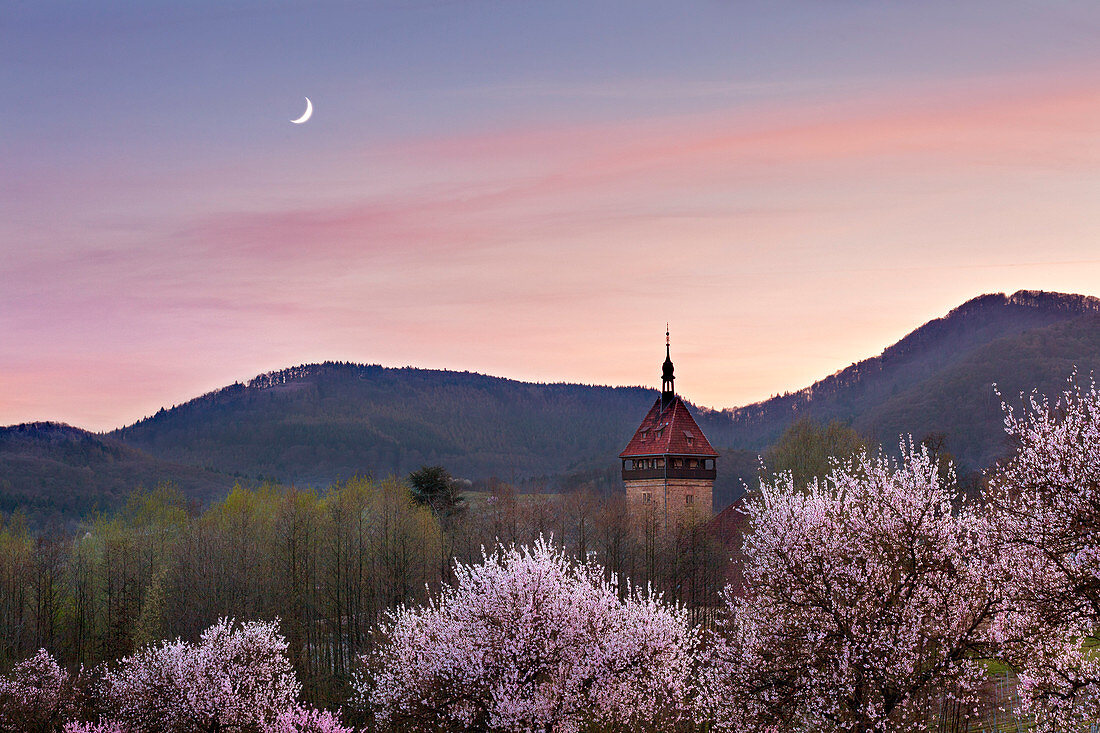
{"points": [[305, 115]]}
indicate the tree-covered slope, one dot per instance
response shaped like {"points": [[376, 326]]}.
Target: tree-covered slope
{"points": [[50, 469], [940, 377], [960, 400], [318, 422], [315, 423]]}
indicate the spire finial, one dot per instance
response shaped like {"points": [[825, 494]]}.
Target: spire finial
{"points": [[667, 390]]}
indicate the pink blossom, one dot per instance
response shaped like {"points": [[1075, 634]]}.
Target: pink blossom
{"points": [[102, 727], [1046, 503], [866, 594], [236, 676], [33, 694], [530, 639], [306, 720]]}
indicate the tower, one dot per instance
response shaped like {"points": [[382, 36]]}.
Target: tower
{"points": [[669, 465]]}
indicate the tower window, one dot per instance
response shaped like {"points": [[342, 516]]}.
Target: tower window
{"points": [[646, 497], [689, 499]]}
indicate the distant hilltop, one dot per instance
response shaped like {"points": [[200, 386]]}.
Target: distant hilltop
{"points": [[50, 469], [317, 422], [1033, 306], [314, 423], [939, 377]]}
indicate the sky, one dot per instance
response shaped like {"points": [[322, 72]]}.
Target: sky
{"points": [[525, 189]]}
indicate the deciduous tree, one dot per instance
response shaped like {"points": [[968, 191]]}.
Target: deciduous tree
{"points": [[1046, 502], [306, 720], [807, 449], [867, 593], [237, 677], [34, 696], [530, 639]]}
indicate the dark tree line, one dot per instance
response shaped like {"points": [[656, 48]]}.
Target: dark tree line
{"points": [[328, 564]]}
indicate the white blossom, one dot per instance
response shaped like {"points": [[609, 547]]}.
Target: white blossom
{"points": [[1047, 508], [530, 639], [866, 593], [236, 677], [33, 694]]}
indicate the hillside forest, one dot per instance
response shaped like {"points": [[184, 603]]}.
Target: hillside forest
{"points": [[316, 424], [879, 596]]}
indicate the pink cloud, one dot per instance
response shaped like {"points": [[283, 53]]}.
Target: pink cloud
{"points": [[564, 243]]}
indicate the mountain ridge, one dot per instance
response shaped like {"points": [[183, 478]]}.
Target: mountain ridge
{"points": [[315, 423], [371, 404], [939, 344], [52, 469]]}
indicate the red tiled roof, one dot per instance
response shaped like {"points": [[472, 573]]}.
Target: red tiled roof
{"points": [[729, 527], [669, 431]]}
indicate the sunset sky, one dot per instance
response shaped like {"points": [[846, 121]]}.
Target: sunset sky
{"points": [[524, 189]]}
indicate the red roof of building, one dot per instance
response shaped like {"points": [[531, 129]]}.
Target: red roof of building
{"points": [[669, 431], [729, 527]]}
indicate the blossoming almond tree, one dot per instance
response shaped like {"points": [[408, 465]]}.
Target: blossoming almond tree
{"points": [[33, 695], [236, 678], [306, 720], [531, 640], [867, 594], [101, 727], [1046, 502]]}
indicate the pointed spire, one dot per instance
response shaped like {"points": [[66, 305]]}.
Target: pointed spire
{"points": [[668, 391]]}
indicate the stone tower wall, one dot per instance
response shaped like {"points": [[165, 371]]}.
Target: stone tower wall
{"points": [[701, 492]]}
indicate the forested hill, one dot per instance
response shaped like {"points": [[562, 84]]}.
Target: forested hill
{"points": [[940, 377], [54, 470], [314, 423]]}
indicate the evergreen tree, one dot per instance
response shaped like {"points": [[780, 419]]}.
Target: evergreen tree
{"points": [[435, 488]]}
